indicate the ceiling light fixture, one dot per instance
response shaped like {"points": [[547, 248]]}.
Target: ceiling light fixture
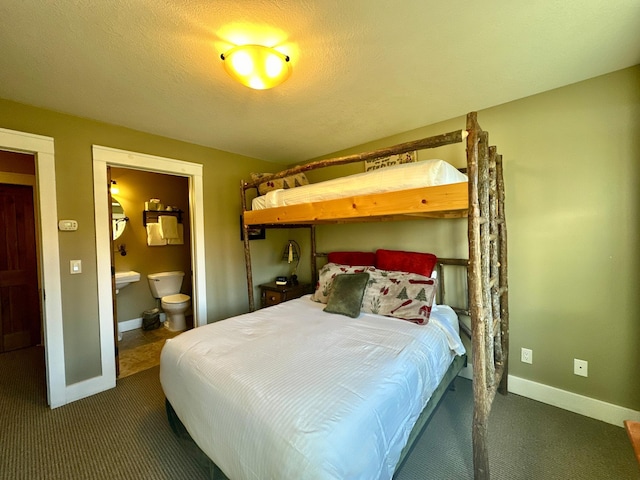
{"points": [[257, 66]]}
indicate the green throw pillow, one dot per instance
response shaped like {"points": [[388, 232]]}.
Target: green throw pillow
{"points": [[346, 294]]}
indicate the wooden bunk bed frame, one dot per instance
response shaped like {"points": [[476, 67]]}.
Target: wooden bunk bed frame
{"points": [[481, 200]]}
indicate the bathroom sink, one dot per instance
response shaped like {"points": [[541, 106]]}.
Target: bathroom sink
{"points": [[125, 278]]}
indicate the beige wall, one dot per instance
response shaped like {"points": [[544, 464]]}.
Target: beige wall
{"points": [[572, 170], [222, 172]]}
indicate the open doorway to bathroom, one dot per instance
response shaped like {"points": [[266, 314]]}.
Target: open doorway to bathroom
{"points": [[104, 158], [139, 345]]}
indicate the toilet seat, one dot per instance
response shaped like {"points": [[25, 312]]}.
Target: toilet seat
{"points": [[176, 298]]}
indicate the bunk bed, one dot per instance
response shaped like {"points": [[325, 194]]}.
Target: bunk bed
{"points": [[480, 199]]}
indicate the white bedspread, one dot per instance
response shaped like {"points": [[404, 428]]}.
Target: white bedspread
{"points": [[292, 392], [398, 177]]}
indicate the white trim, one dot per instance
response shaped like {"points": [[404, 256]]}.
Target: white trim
{"points": [[136, 323], [573, 402], [43, 148], [106, 156], [589, 407]]}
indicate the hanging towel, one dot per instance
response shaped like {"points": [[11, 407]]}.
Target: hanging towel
{"points": [[154, 238], [180, 239], [168, 226]]}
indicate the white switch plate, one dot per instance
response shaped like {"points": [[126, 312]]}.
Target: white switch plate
{"points": [[75, 266], [581, 367]]}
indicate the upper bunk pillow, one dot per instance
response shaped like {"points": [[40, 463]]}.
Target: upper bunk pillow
{"points": [[352, 258], [293, 181], [410, 262]]}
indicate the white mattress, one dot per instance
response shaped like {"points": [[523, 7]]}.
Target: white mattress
{"points": [[397, 177], [292, 392]]}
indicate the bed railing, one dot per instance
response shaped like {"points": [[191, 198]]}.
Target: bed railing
{"points": [[488, 285]]}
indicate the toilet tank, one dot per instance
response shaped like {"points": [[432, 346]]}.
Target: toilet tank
{"points": [[165, 283]]}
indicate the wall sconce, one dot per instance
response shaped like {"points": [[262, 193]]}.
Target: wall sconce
{"points": [[291, 254], [256, 66], [114, 188]]}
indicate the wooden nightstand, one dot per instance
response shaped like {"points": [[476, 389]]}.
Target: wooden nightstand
{"points": [[273, 294]]}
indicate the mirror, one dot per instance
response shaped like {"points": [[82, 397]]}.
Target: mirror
{"points": [[118, 218]]}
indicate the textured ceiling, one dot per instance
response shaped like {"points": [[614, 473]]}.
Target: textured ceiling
{"points": [[362, 69]]}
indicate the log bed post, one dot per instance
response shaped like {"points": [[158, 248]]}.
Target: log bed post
{"points": [[488, 285], [504, 281], [247, 248], [478, 319]]}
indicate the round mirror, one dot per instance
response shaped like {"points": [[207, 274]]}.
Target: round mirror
{"points": [[118, 218]]}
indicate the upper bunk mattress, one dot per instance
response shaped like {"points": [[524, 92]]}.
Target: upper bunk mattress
{"points": [[426, 173], [291, 391]]}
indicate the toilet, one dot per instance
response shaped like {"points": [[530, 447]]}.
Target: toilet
{"points": [[166, 286]]}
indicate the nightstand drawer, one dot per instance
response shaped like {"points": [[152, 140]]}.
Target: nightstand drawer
{"points": [[273, 294], [273, 298]]}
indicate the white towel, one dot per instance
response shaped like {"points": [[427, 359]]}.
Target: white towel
{"points": [[154, 237], [168, 226], [180, 239]]}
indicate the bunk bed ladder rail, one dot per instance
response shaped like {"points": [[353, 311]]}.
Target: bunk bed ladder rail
{"points": [[487, 284]]}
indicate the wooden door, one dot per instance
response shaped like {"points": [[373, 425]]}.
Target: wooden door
{"points": [[19, 300]]}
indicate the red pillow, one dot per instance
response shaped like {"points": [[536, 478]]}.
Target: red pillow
{"points": [[411, 262], [367, 259]]}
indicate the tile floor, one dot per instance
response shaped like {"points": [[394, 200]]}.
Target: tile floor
{"points": [[140, 349]]}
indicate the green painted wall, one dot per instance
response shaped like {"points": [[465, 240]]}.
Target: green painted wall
{"points": [[74, 137], [572, 170]]}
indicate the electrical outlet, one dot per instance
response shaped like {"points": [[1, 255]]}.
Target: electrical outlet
{"points": [[526, 355], [580, 367]]}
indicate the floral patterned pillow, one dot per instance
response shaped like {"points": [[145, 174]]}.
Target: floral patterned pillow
{"points": [[326, 276], [287, 182], [408, 296]]}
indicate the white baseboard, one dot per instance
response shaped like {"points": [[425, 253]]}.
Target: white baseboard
{"points": [[573, 402], [135, 323]]}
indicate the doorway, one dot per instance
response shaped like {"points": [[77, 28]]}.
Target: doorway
{"points": [[104, 157], [42, 149], [131, 189], [20, 317]]}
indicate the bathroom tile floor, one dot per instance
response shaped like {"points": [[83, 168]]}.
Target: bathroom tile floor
{"points": [[140, 349]]}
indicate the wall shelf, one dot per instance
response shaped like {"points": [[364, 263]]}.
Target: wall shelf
{"points": [[151, 216]]}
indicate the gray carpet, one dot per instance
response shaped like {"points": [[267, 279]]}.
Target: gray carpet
{"points": [[123, 434]]}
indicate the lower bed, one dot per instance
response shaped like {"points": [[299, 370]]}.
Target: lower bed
{"points": [[292, 392]]}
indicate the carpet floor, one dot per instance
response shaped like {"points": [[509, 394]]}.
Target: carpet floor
{"points": [[123, 433]]}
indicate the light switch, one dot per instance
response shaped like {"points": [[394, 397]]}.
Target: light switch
{"points": [[75, 266]]}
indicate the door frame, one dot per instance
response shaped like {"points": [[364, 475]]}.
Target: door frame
{"points": [[43, 149], [107, 156]]}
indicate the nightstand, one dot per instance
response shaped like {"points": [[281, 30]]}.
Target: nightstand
{"points": [[273, 294]]}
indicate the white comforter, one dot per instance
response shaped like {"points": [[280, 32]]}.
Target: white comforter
{"points": [[389, 179], [292, 392]]}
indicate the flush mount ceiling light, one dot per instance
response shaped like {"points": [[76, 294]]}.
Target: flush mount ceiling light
{"points": [[257, 66]]}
